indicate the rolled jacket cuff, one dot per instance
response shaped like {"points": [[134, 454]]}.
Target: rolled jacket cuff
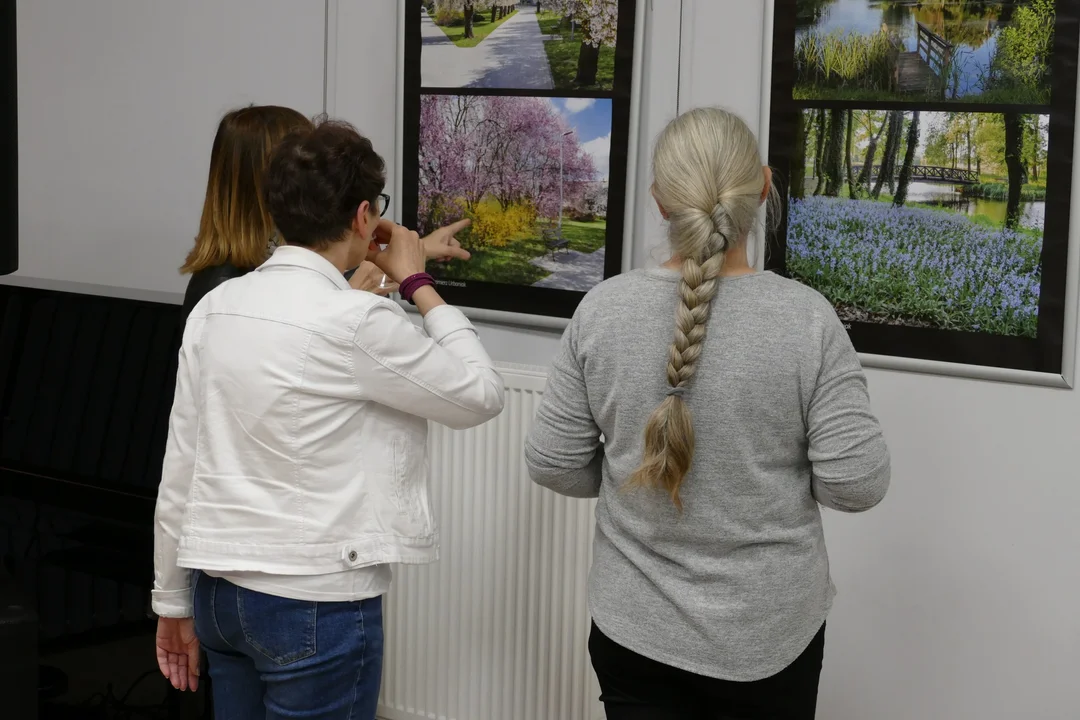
{"points": [[445, 320], [172, 603]]}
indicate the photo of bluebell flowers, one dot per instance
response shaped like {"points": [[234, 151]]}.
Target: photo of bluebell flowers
{"points": [[921, 219]]}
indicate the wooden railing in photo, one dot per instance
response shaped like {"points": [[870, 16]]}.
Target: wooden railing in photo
{"points": [[926, 70], [956, 176], [932, 174], [935, 50]]}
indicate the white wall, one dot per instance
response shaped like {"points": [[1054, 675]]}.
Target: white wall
{"points": [[118, 104], [362, 75], [960, 595], [119, 101]]}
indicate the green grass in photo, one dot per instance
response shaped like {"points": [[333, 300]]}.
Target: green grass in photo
{"points": [[563, 55], [511, 264], [482, 27]]}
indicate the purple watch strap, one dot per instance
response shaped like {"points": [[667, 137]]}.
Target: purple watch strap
{"points": [[413, 283]]}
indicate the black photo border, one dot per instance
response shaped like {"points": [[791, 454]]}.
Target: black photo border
{"points": [[524, 299], [1042, 354], [9, 140]]}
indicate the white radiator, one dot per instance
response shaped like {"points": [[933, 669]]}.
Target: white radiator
{"points": [[498, 628]]}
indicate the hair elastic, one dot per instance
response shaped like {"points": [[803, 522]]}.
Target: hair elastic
{"points": [[411, 284], [676, 391]]}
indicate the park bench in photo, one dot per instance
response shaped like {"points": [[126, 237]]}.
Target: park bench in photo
{"points": [[554, 241]]}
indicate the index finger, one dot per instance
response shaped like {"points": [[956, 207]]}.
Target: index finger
{"points": [[181, 661], [451, 252], [174, 670], [194, 671], [384, 229], [163, 661], [458, 226]]}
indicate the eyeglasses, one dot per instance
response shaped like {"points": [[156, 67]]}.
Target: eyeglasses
{"points": [[384, 203]]}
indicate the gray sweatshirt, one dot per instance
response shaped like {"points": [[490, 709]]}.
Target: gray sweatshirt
{"points": [[737, 585]]}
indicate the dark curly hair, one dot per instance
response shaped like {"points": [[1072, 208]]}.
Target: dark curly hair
{"points": [[316, 180]]}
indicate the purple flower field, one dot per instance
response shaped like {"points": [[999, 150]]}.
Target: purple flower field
{"points": [[916, 265]]}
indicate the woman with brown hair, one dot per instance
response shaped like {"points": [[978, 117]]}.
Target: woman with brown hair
{"points": [[296, 469], [236, 233]]}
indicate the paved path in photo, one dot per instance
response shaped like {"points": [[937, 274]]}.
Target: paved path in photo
{"points": [[572, 270], [512, 56], [437, 54]]}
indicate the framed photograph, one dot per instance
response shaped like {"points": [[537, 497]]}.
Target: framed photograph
{"points": [[925, 152], [519, 116]]}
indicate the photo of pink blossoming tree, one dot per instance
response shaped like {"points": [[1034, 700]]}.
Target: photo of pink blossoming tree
{"points": [[531, 173]]}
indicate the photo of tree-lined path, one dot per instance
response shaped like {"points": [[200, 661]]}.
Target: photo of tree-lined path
{"points": [[532, 175], [504, 44], [986, 51], [931, 219]]}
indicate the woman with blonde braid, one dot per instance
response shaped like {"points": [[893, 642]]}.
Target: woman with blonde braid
{"points": [[710, 582]]}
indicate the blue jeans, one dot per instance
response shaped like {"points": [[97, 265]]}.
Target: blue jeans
{"points": [[276, 658]]}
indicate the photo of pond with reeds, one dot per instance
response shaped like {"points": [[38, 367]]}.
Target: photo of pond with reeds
{"points": [[924, 219], [985, 51]]}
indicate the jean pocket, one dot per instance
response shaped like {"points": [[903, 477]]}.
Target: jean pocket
{"points": [[280, 629]]}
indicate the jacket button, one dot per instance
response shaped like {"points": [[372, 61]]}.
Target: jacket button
{"points": [[352, 556]]}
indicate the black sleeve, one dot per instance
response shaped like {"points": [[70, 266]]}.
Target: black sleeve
{"points": [[203, 282]]}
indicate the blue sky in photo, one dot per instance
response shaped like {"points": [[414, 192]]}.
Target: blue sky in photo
{"points": [[590, 118]]}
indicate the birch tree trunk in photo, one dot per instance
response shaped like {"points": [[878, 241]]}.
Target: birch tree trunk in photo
{"points": [[798, 162], [834, 150], [909, 161], [867, 171], [819, 149], [892, 139], [1014, 142], [847, 155]]}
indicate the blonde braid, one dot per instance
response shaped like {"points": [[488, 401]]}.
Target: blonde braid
{"points": [[669, 435], [709, 180], [696, 291]]}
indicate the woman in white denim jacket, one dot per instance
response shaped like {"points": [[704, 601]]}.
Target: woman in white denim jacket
{"points": [[296, 466]]}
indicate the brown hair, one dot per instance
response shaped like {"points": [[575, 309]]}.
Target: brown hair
{"points": [[709, 177], [235, 225]]}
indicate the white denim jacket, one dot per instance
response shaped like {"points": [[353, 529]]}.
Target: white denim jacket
{"points": [[298, 436]]}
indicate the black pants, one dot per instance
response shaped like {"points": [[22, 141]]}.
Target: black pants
{"points": [[637, 688]]}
